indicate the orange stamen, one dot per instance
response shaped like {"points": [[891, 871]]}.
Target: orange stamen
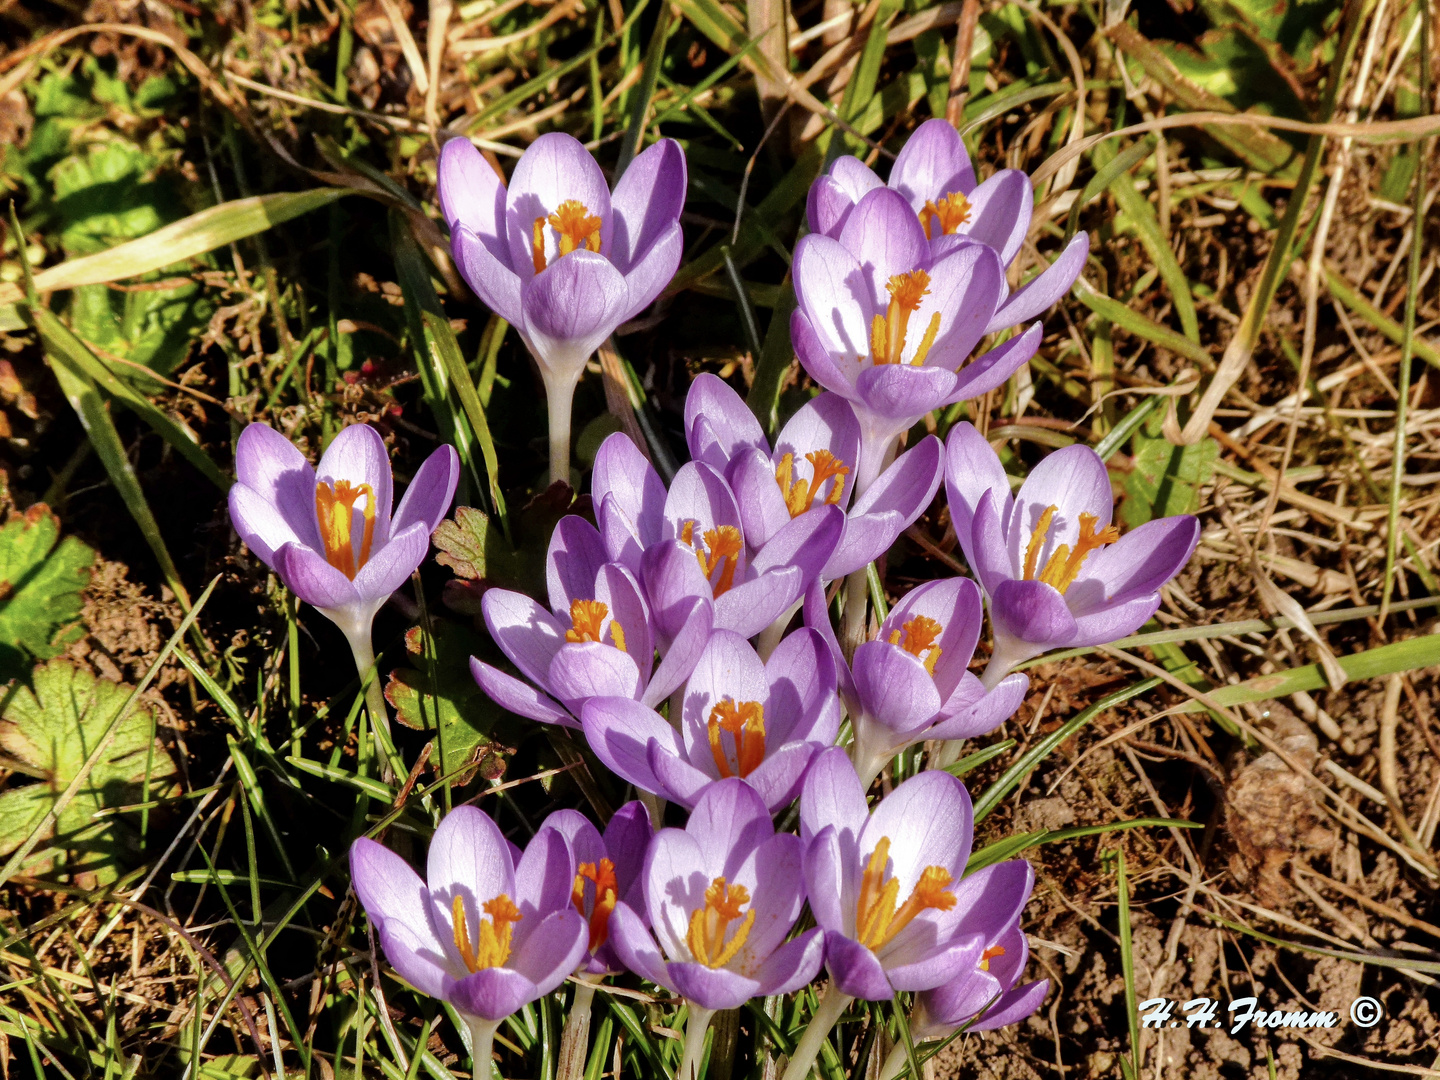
{"points": [[706, 935], [990, 954], [577, 228], [585, 619], [952, 211], [799, 495], [745, 722], [1063, 566], [602, 877], [916, 636], [887, 332], [335, 514], [877, 919], [494, 947], [720, 550]]}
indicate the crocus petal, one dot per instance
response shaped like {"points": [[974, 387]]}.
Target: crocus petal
{"points": [[711, 988], [827, 206], [471, 194], [955, 604], [901, 393], [855, 969], [700, 495], [1046, 288], [492, 993], [469, 853], [526, 633], [1000, 210], [574, 559], [749, 608], [892, 503], [1013, 1006], [832, 796], [273, 468], [987, 552], [729, 821], [1074, 480], [792, 965], [832, 366], [544, 878], [553, 948], [827, 879], [971, 469], [718, 423], [806, 543], [817, 618], [490, 276], [930, 970], [1139, 563], [826, 422], [696, 617], [679, 780], [518, 697], [801, 674], [635, 947], [762, 505], [390, 566], [883, 233], [1033, 612], [894, 687], [631, 500], [984, 715], [932, 164], [831, 289], [264, 527], [571, 307], [629, 620], [990, 370], [647, 278], [358, 455], [555, 168], [647, 201], [1115, 622], [777, 779], [932, 812], [314, 580], [398, 903], [728, 668], [619, 730], [673, 582], [590, 669], [627, 835], [429, 494], [965, 289]]}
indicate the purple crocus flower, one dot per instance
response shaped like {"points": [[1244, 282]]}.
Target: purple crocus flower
{"points": [[934, 175], [558, 255], [886, 885], [689, 544], [886, 323], [485, 932], [762, 723], [607, 870], [595, 641], [721, 895], [810, 467], [912, 682], [1056, 572]]}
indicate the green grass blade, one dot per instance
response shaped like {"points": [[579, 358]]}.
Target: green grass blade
{"points": [[773, 363], [970, 762], [1127, 962], [1011, 846], [1127, 318]]}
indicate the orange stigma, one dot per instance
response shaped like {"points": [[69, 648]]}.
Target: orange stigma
{"points": [[335, 514], [585, 619], [706, 936], [720, 550], [1063, 566], [877, 920], [990, 954], [952, 211], [602, 877], [494, 948], [916, 636], [887, 332], [577, 228], [745, 722], [800, 495]]}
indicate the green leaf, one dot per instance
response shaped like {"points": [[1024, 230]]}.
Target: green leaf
{"points": [[50, 728], [477, 552], [150, 326], [1166, 479], [40, 589], [437, 694]]}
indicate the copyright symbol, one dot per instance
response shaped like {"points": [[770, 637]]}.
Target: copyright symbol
{"points": [[1366, 1012]]}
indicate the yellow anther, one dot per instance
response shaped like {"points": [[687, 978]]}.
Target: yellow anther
{"points": [[990, 954], [577, 228], [745, 722], [602, 877], [335, 514], [494, 948], [1063, 566], [952, 211], [877, 919], [916, 636], [799, 495], [887, 332], [720, 550], [708, 925]]}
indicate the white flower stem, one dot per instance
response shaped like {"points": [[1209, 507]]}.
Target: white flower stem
{"points": [[364, 654], [559, 396], [895, 1063], [696, 1024], [576, 1037], [770, 637], [482, 1041], [947, 753], [832, 1004]]}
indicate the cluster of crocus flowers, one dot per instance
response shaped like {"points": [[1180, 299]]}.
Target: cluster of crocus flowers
{"points": [[560, 256]]}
